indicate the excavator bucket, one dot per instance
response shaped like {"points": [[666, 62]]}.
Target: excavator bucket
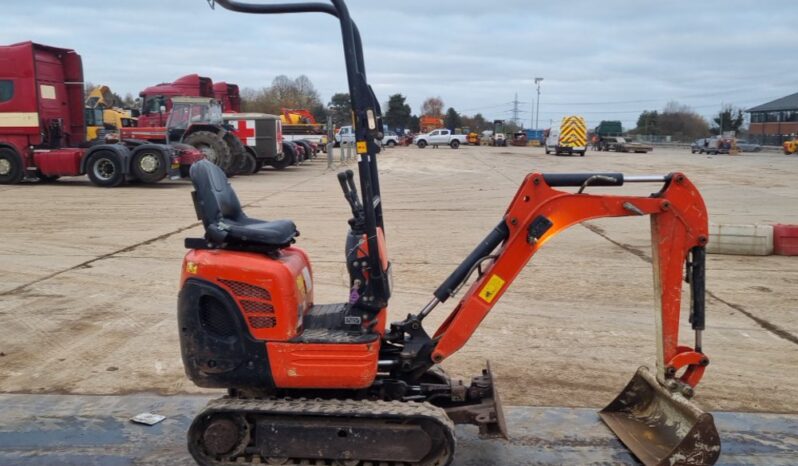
{"points": [[660, 427]]}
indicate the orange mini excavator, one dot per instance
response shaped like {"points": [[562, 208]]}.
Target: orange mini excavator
{"points": [[334, 384]]}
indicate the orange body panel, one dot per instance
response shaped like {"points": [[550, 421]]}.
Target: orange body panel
{"points": [[272, 294], [323, 365]]}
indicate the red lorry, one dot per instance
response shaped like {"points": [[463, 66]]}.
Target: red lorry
{"points": [[156, 102], [43, 132], [211, 136], [228, 95]]}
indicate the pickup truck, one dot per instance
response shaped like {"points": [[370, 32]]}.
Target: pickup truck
{"points": [[345, 135], [390, 139], [440, 137]]}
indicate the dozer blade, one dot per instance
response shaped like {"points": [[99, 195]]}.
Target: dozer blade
{"points": [[488, 414], [660, 427], [496, 427]]}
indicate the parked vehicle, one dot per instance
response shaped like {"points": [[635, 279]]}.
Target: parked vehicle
{"points": [[428, 123], [390, 139], [113, 116], [520, 139], [440, 137], [228, 95], [604, 131], [198, 122], [571, 138], [745, 146], [262, 137], [498, 139], [344, 135], [301, 125], [712, 146], [619, 144], [609, 128], [156, 101], [791, 147], [43, 134]]}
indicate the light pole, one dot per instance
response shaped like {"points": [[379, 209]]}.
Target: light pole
{"points": [[537, 102]]}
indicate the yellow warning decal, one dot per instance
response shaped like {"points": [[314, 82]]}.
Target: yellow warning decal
{"points": [[361, 147], [492, 288]]}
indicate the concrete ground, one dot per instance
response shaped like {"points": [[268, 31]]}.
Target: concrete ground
{"points": [[88, 276], [84, 430]]}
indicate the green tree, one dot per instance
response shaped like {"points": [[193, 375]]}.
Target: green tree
{"points": [[453, 119], [728, 119], [319, 112], [340, 108], [398, 113], [414, 124], [476, 123], [647, 122]]}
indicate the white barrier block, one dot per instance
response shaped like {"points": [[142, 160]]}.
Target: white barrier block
{"points": [[744, 240]]}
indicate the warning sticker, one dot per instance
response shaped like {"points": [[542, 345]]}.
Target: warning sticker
{"points": [[361, 147], [492, 288]]}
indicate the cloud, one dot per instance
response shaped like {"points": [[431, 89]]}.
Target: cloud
{"points": [[606, 60]]}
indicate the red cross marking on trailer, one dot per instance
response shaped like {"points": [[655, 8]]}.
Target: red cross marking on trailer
{"points": [[245, 130]]}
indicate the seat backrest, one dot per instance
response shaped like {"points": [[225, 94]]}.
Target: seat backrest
{"points": [[214, 198]]}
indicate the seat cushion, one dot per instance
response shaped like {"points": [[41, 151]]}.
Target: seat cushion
{"points": [[250, 231]]}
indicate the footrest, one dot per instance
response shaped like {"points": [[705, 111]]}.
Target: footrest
{"points": [[324, 323], [325, 316]]}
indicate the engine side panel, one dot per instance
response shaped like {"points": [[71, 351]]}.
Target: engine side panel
{"points": [[272, 294], [218, 350]]}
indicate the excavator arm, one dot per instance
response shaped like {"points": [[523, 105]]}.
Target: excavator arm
{"points": [[653, 415], [539, 211]]}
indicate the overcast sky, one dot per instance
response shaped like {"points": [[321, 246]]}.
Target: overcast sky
{"points": [[603, 59]]}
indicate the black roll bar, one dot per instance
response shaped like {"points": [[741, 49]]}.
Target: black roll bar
{"points": [[367, 120]]}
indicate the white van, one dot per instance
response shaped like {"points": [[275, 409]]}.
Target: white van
{"points": [[553, 140]]}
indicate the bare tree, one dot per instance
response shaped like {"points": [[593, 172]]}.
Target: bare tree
{"points": [[284, 92], [433, 106]]}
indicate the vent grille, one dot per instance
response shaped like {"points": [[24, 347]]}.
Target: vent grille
{"points": [[256, 306], [215, 318], [246, 290], [262, 321]]}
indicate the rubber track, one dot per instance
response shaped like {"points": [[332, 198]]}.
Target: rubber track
{"points": [[363, 409]]}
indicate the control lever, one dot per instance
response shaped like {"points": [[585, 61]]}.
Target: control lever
{"points": [[350, 178], [346, 179]]}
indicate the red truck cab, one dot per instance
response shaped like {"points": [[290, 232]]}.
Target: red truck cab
{"points": [[229, 95], [41, 112], [156, 100], [42, 125]]}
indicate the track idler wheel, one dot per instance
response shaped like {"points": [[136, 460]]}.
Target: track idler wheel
{"points": [[221, 436], [661, 427]]}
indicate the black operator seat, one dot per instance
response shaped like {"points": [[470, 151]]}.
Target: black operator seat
{"points": [[226, 225]]}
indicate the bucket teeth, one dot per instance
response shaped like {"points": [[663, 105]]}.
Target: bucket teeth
{"points": [[660, 427]]}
